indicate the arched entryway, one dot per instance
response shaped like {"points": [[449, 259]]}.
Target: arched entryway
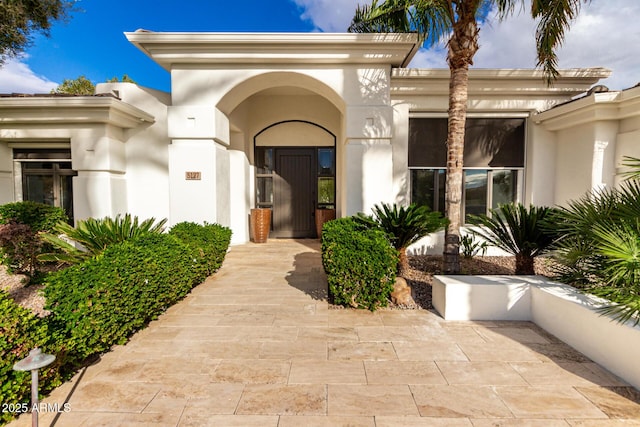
{"points": [[284, 132], [295, 175]]}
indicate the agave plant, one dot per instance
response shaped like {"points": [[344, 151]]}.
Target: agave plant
{"points": [[404, 226], [92, 236], [517, 230]]}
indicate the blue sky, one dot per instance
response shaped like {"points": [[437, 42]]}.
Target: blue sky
{"points": [[92, 43]]}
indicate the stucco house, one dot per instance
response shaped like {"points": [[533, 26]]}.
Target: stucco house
{"points": [[297, 122]]}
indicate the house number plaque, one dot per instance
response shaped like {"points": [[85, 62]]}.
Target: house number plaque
{"points": [[193, 176]]}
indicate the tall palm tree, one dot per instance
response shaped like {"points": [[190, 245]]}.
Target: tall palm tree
{"points": [[457, 22]]}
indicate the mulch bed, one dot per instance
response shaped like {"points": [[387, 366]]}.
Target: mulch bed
{"points": [[423, 267]]}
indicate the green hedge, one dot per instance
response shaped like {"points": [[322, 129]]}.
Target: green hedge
{"points": [[38, 216], [360, 264], [103, 301], [208, 242], [20, 332]]}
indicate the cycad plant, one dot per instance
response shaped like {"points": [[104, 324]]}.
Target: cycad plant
{"points": [[94, 235], [472, 247], [518, 230], [403, 226]]}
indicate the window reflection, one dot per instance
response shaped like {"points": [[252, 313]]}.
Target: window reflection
{"points": [[326, 162], [475, 192]]}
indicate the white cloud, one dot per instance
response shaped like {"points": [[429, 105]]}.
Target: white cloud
{"points": [[331, 16], [605, 34], [17, 77]]}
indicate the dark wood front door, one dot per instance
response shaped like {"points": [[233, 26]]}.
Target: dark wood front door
{"points": [[294, 193]]}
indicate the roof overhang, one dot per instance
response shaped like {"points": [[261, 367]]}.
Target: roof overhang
{"points": [[169, 49], [603, 106], [74, 109], [496, 82]]}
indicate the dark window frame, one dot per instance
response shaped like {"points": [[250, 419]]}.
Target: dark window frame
{"points": [[59, 160], [419, 159]]}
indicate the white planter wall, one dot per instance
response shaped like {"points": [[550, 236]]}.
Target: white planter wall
{"points": [[557, 308]]}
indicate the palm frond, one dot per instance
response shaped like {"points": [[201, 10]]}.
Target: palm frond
{"points": [[625, 306], [516, 229], [620, 243], [633, 166], [386, 17], [555, 18], [94, 235], [403, 225], [432, 20]]}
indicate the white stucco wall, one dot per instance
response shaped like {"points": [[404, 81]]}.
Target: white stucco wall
{"points": [[585, 159], [98, 155], [574, 157], [99, 194], [369, 175], [344, 85], [6, 174], [267, 110], [145, 151], [193, 200], [540, 169], [628, 144], [241, 191]]}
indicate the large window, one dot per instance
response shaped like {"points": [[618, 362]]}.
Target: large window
{"points": [[493, 162], [45, 177]]}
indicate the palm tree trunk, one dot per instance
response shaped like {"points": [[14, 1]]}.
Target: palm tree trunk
{"points": [[403, 263], [524, 264], [455, 149], [462, 47]]}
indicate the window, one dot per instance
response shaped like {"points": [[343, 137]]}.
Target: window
{"points": [[493, 162], [45, 177], [264, 177], [325, 176]]}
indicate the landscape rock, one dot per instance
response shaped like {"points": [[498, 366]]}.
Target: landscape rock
{"points": [[402, 294]]}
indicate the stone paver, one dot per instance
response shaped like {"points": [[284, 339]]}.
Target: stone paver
{"points": [[258, 345]]}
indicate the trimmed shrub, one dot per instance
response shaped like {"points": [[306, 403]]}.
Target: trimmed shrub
{"points": [[208, 243], [38, 216], [20, 332], [360, 264], [404, 226], [104, 300]]}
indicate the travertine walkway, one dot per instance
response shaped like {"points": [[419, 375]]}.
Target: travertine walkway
{"points": [[257, 345]]}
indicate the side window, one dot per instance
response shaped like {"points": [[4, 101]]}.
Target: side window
{"points": [[45, 176], [326, 178], [264, 177]]}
